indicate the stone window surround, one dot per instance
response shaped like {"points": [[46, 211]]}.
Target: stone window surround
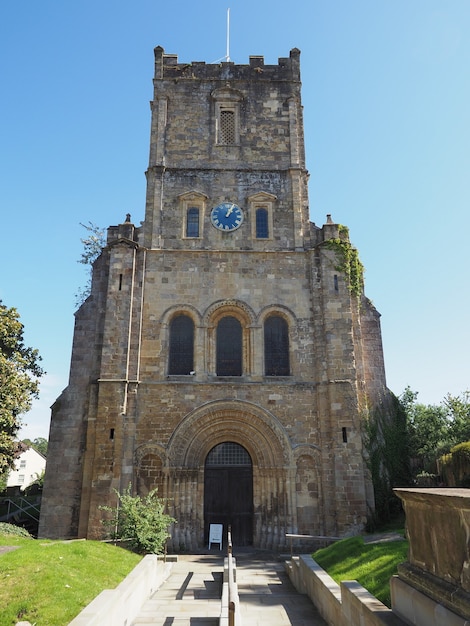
{"points": [[227, 99], [188, 200], [262, 200]]}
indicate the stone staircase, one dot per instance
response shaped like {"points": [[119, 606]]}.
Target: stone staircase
{"points": [[191, 595]]}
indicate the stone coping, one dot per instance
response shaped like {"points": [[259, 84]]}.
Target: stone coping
{"points": [[121, 605], [347, 604]]}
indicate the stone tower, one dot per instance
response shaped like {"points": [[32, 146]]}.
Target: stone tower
{"points": [[227, 353]]}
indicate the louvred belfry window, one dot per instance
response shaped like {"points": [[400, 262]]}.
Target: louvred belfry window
{"points": [[227, 127], [227, 103]]}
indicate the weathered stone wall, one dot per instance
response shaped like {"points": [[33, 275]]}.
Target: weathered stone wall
{"points": [[321, 461], [71, 414]]}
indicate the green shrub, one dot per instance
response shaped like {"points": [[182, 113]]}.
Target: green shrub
{"points": [[461, 462], [444, 466], [11, 529], [426, 479], [140, 521], [455, 466]]}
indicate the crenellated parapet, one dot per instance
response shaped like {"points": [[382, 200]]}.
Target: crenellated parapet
{"points": [[168, 67]]}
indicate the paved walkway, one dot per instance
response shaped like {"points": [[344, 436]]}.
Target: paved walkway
{"points": [[191, 594]]}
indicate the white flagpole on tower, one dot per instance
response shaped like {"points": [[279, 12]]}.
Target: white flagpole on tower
{"points": [[227, 55], [228, 35]]}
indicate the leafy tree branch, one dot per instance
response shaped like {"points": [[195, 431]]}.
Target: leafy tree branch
{"points": [[19, 382], [93, 245]]}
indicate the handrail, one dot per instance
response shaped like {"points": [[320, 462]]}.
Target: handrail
{"points": [[230, 601], [232, 590], [20, 508]]}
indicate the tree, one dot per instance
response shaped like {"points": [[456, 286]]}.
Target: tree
{"points": [[3, 481], [435, 429], [140, 520], [39, 444], [19, 382], [458, 411], [37, 484], [93, 244], [428, 427]]}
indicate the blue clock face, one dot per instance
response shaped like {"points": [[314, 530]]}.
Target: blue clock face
{"points": [[227, 216]]}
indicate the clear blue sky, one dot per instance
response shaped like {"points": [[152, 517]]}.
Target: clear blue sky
{"points": [[386, 93]]}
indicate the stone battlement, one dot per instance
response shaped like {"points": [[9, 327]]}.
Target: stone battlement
{"points": [[167, 67]]}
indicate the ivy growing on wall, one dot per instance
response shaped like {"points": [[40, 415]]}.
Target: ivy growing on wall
{"points": [[349, 263], [388, 458]]}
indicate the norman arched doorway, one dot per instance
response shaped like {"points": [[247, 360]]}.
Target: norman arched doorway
{"points": [[228, 491]]}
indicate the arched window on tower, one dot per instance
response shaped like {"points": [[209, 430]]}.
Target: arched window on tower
{"points": [[276, 346], [181, 357], [229, 347], [262, 228]]}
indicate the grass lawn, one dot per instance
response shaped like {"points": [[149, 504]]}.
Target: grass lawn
{"points": [[50, 582], [371, 564]]}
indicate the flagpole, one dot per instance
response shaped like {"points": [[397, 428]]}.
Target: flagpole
{"points": [[228, 35]]}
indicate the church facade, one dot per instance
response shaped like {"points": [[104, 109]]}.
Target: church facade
{"points": [[227, 354]]}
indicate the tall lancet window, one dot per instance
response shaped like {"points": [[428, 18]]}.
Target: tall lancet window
{"points": [[276, 346], [181, 357], [262, 228], [229, 347], [192, 222]]}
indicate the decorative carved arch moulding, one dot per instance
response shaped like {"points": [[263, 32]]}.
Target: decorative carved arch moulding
{"points": [[245, 423], [181, 309], [223, 307], [155, 449], [277, 309]]}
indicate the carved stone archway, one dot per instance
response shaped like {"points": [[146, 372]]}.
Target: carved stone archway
{"points": [[265, 439]]}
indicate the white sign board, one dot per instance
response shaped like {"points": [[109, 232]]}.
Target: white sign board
{"points": [[215, 534]]}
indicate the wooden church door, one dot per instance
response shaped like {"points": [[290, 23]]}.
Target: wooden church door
{"points": [[228, 492]]}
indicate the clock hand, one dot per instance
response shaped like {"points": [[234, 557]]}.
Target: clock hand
{"points": [[229, 211]]}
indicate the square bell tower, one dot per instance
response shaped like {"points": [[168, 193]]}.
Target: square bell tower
{"points": [[227, 353], [229, 136]]}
